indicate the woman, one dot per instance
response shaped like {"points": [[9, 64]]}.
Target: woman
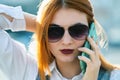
{"points": [[61, 31], [65, 48]]}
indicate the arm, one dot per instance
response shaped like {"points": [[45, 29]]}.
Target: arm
{"points": [[14, 59], [13, 55], [17, 19], [30, 22]]}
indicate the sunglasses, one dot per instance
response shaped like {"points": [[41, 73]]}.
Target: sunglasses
{"points": [[77, 31]]}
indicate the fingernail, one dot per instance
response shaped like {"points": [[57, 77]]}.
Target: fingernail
{"points": [[79, 48], [79, 57]]}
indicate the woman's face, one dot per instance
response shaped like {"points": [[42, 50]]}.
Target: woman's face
{"points": [[65, 49]]}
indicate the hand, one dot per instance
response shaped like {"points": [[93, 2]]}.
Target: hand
{"points": [[5, 21], [8, 17], [93, 64]]}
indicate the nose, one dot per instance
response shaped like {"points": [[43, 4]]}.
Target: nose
{"points": [[67, 39]]}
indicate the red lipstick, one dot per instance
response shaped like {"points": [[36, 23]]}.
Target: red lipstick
{"points": [[67, 51]]}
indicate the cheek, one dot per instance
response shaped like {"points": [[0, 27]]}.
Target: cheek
{"points": [[80, 43], [52, 47]]}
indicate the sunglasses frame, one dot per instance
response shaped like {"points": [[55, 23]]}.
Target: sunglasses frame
{"points": [[77, 31]]}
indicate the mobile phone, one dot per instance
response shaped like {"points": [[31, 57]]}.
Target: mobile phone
{"points": [[93, 34]]}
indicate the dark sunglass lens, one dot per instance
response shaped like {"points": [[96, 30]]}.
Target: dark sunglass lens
{"points": [[55, 33], [79, 31]]}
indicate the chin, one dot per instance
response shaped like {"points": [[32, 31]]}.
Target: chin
{"points": [[68, 59]]}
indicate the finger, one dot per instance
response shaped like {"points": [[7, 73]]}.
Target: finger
{"points": [[85, 59], [91, 53], [93, 45]]}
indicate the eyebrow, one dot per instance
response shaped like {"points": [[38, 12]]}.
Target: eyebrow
{"points": [[53, 24], [79, 24]]}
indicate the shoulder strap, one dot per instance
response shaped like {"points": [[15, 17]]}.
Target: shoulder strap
{"points": [[104, 74], [38, 77]]}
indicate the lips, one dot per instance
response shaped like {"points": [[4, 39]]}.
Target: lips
{"points": [[67, 51]]}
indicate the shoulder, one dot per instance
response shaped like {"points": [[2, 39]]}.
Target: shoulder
{"points": [[109, 75], [115, 74]]}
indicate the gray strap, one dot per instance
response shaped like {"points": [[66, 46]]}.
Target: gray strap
{"points": [[38, 77], [104, 74]]}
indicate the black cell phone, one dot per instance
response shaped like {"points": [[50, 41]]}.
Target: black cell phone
{"points": [[93, 34]]}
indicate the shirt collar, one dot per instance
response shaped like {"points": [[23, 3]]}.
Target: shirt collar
{"points": [[53, 67]]}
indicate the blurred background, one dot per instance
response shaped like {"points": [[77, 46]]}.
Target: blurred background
{"points": [[106, 12]]}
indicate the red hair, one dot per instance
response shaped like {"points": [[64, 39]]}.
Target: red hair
{"points": [[45, 14]]}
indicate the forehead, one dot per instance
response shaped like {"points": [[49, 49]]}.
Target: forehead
{"points": [[68, 16]]}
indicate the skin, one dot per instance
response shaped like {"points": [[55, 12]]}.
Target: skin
{"points": [[68, 64], [29, 18], [94, 63]]}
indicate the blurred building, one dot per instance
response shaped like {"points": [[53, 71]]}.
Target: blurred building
{"points": [[107, 13]]}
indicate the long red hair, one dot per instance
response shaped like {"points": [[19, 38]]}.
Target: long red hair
{"points": [[46, 12]]}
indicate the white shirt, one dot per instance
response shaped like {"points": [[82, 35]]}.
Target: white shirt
{"points": [[16, 13], [15, 62], [56, 75]]}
